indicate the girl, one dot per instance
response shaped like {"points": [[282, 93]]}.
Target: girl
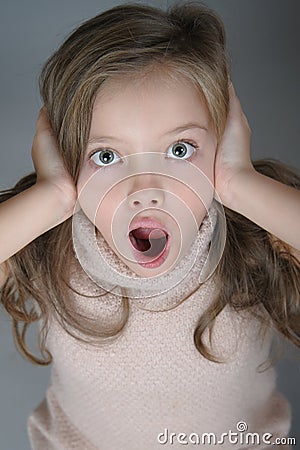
{"points": [[157, 314]]}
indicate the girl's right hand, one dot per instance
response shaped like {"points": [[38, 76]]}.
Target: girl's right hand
{"points": [[48, 163]]}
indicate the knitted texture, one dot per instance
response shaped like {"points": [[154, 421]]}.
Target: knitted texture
{"points": [[151, 381]]}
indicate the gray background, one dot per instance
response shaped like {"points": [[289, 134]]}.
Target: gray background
{"points": [[264, 46]]}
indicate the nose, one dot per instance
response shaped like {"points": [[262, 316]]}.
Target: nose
{"points": [[144, 194]]}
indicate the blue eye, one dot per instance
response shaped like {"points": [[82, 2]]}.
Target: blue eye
{"points": [[181, 150], [104, 157], [178, 150]]}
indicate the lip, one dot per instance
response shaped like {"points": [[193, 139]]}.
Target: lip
{"points": [[145, 261], [147, 222]]}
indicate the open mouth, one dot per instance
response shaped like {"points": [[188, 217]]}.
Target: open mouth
{"points": [[151, 242]]}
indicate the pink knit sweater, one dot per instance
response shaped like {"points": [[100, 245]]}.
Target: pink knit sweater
{"points": [[134, 392]]}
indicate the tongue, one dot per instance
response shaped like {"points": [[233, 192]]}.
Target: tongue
{"points": [[149, 241], [148, 233]]}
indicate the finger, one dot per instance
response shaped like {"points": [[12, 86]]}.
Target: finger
{"points": [[43, 121], [43, 114], [235, 106], [231, 89], [44, 137]]}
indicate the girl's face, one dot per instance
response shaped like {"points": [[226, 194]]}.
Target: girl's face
{"points": [[148, 173]]}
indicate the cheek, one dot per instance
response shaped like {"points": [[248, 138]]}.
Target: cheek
{"points": [[197, 207], [205, 159], [90, 195], [85, 195], [107, 218], [202, 178], [83, 178], [205, 164], [210, 170], [107, 207], [97, 189]]}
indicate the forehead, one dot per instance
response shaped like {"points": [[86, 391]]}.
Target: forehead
{"points": [[156, 101]]}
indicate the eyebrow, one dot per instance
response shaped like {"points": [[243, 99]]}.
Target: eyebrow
{"points": [[187, 126], [179, 129]]}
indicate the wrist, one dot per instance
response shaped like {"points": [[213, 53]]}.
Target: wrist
{"points": [[64, 198], [239, 183]]}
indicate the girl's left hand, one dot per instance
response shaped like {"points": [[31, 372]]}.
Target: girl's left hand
{"points": [[233, 152]]}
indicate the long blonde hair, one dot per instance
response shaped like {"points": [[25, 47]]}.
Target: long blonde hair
{"points": [[187, 41]]}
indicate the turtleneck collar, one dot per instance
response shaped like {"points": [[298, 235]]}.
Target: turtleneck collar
{"points": [[162, 292]]}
